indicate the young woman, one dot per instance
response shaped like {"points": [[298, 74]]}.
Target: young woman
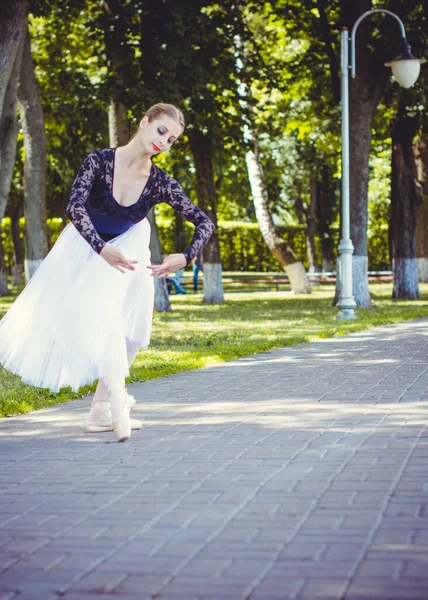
{"points": [[88, 309]]}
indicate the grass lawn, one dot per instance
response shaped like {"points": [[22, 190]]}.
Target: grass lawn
{"points": [[194, 335]]}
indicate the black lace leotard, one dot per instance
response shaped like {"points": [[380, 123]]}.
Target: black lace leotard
{"points": [[99, 218]]}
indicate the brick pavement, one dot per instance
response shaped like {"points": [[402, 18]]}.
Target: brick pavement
{"points": [[298, 473]]}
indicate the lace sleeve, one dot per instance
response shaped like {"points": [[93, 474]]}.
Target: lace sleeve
{"points": [[173, 194], [76, 207]]}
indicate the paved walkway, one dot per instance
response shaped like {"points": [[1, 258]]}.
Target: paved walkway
{"points": [[297, 473]]}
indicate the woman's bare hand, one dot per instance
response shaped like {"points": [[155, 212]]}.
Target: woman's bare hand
{"points": [[117, 259], [170, 263]]}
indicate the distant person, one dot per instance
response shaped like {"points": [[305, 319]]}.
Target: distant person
{"points": [[88, 308], [180, 276], [173, 281], [197, 266]]}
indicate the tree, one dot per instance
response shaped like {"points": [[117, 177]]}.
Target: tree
{"points": [[175, 65], [69, 58], [420, 150], [247, 60], [365, 93], [122, 68], [162, 303], [15, 209], [327, 208], [12, 21], [404, 205], [281, 250], [31, 113], [12, 15], [122, 85], [407, 122], [299, 121], [415, 101], [317, 23], [201, 145]]}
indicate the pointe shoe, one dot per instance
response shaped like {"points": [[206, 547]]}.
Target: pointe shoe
{"points": [[120, 414], [99, 418]]}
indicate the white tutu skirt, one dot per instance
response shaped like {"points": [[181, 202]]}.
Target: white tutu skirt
{"points": [[71, 323]]}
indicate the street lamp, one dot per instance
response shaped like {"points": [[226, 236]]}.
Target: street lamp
{"points": [[405, 69]]}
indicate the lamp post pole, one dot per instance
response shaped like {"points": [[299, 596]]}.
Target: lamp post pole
{"points": [[346, 303], [406, 70]]}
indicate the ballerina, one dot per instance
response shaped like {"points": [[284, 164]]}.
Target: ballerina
{"points": [[87, 310]]}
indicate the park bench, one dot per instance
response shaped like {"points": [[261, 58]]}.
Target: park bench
{"points": [[278, 279]]}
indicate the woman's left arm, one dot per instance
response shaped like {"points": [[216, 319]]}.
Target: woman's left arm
{"points": [[173, 194]]}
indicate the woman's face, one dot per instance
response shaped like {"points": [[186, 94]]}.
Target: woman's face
{"points": [[158, 135]]}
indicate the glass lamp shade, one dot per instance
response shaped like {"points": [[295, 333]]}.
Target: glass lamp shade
{"points": [[405, 71]]}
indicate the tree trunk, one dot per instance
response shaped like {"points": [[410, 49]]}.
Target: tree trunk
{"points": [[117, 123], [202, 151], [162, 303], [179, 231], [288, 260], [121, 69], [4, 288], [9, 125], [12, 22], [325, 212], [311, 225], [295, 270], [420, 151], [11, 18], [362, 109], [364, 95], [404, 206], [35, 164], [16, 211]]}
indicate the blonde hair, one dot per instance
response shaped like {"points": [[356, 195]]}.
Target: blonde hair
{"points": [[169, 110], [159, 109]]}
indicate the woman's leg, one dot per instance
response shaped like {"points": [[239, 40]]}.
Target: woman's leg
{"points": [[118, 406], [131, 351], [100, 417], [101, 393]]}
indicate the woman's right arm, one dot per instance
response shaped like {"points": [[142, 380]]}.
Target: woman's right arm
{"points": [[76, 207], [76, 210]]}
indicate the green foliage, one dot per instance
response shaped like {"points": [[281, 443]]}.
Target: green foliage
{"points": [[241, 243], [195, 335], [71, 71], [243, 248], [413, 101], [7, 242], [168, 52], [55, 226], [298, 114], [379, 196], [378, 249]]}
